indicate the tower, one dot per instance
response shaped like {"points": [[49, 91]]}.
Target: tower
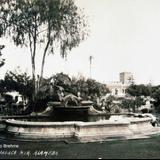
{"points": [[126, 78]]}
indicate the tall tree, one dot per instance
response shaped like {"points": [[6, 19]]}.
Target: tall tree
{"points": [[51, 22]]}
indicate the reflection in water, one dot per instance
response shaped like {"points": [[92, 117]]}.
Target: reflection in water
{"points": [[67, 118], [86, 118]]}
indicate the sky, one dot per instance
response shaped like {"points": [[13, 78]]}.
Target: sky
{"points": [[124, 36]]}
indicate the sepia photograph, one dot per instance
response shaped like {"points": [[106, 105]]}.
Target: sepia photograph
{"points": [[79, 79]]}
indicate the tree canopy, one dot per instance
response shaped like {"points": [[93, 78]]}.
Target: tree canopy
{"points": [[2, 60], [139, 90], [89, 88], [15, 81], [156, 95], [50, 22]]}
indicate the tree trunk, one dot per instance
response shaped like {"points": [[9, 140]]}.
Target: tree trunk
{"points": [[32, 44], [43, 62], [44, 54], [34, 79], [33, 75]]}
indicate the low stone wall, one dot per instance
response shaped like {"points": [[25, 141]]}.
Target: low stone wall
{"points": [[102, 130], [42, 130], [140, 125], [83, 131]]}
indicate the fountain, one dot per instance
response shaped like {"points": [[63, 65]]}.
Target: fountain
{"points": [[116, 126]]}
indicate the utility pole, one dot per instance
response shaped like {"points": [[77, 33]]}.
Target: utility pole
{"points": [[90, 62]]}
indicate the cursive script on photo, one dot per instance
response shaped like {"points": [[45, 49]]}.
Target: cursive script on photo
{"points": [[28, 153]]}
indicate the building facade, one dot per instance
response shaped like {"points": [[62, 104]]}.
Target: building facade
{"points": [[118, 88], [126, 78]]}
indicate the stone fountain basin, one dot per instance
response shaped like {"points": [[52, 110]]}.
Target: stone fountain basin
{"points": [[82, 131]]}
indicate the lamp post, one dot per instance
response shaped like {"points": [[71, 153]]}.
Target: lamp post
{"points": [[90, 62]]}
